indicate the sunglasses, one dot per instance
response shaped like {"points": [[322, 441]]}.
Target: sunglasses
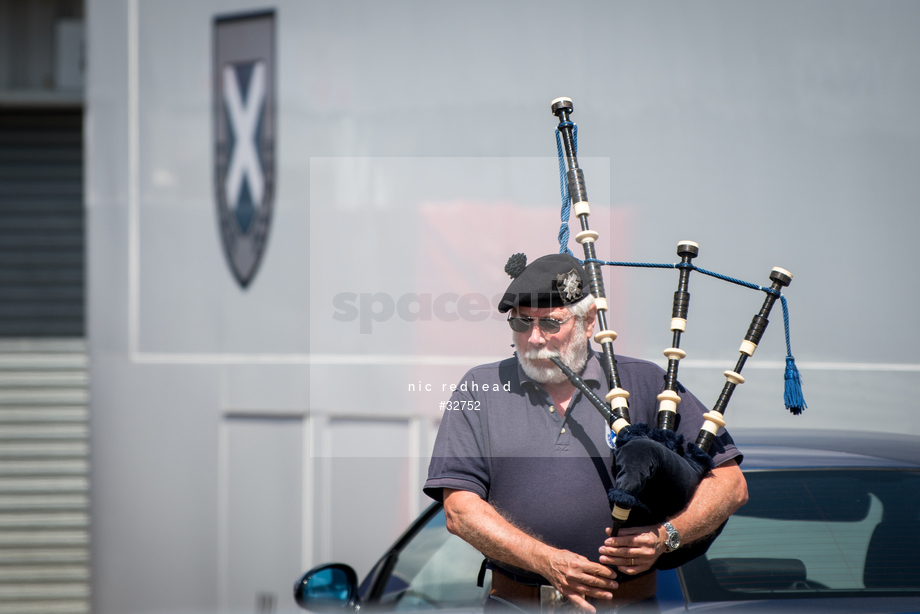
{"points": [[547, 325]]}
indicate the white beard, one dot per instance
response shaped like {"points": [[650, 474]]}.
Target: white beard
{"points": [[574, 357]]}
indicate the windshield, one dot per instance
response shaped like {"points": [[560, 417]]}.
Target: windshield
{"points": [[435, 570], [815, 533]]}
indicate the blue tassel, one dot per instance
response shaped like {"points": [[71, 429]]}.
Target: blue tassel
{"points": [[795, 402]]}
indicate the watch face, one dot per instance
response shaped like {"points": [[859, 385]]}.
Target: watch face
{"points": [[674, 541]]}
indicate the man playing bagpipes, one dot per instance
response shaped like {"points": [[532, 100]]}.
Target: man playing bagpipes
{"points": [[525, 474]]}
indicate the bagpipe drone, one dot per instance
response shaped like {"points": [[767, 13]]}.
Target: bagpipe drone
{"points": [[657, 473]]}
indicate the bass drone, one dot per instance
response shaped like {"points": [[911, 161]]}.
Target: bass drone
{"points": [[656, 472]]}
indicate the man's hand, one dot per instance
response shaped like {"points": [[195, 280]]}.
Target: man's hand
{"points": [[576, 577], [479, 524], [633, 550], [722, 491]]}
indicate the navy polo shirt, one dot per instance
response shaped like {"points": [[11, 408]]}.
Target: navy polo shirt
{"points": [[547, 473]]}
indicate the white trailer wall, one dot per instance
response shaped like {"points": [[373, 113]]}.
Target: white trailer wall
{"points": [[241, 436]]}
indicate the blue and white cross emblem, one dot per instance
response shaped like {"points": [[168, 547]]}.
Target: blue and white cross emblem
{"points": [[244, 137], [244, 96]]}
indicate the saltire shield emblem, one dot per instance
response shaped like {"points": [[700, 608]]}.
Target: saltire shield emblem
{"points": [[244, 137]]}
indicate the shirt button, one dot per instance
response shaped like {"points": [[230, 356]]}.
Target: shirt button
{"points": [[562, 431], [551, 409]]}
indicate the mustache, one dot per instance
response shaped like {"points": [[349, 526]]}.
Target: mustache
{"points": [[540, 354]]}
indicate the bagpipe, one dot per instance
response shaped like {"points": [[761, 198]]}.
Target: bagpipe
{"points": [[657, 472]]}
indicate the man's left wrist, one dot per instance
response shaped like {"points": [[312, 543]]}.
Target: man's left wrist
{"points": [[662, 546]]}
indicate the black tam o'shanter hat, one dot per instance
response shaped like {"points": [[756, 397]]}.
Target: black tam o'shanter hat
{"points": [[557, 280]]}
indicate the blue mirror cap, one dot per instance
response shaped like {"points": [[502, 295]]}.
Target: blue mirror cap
{"points": [[328, 588]]}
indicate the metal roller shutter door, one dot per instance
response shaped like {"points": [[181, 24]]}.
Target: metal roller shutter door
{"points": [[41, 224], [44, 475], [44, 438]]}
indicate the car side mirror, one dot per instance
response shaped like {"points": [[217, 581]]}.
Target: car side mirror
{"points": [[328, 588]]}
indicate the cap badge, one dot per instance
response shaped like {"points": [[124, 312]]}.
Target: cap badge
{"points": [[569, 286]]}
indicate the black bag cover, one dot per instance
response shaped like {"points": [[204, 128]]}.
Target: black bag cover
{"points": [[656, 476]]}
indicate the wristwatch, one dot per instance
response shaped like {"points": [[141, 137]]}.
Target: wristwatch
{"points": [[672, 543]]}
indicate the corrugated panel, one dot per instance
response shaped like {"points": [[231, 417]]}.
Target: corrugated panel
{"points": [[44, 477], [41, 223]]}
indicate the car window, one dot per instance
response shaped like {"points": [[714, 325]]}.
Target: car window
{"points": [[812, 533], [436, 570]]}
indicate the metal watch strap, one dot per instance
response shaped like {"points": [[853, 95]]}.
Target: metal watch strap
{"points": [[673, 537]]}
